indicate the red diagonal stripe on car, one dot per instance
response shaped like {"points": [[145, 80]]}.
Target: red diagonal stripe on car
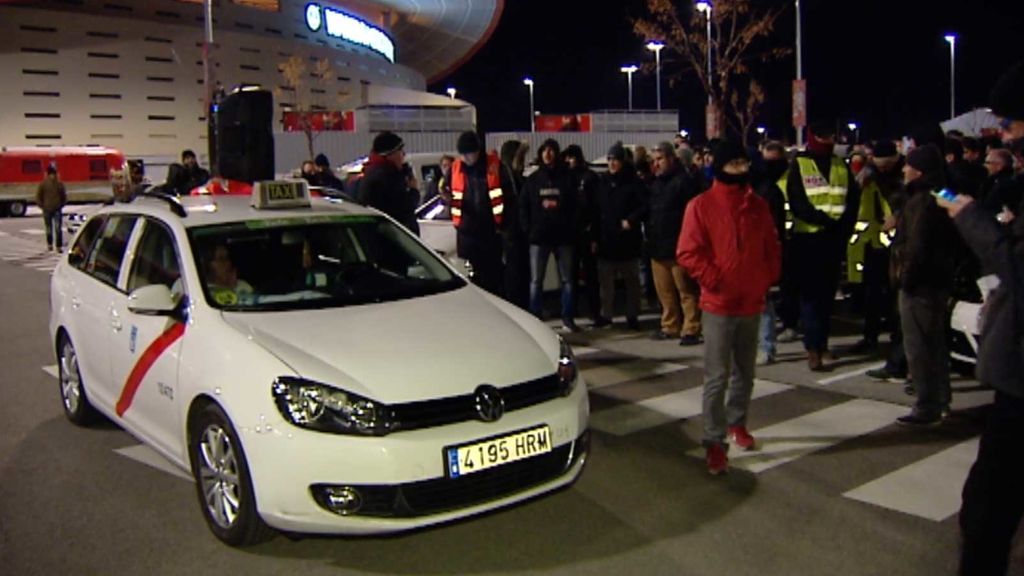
{"points": [[163, 342]]}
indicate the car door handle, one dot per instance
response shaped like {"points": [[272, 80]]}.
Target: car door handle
{"points": [[76, 303], [115, 321]]}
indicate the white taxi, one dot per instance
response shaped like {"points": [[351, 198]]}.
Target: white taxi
{"points": [[314, 366]]}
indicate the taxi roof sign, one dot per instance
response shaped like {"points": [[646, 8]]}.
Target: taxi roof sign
{"points": [[272, 194]]}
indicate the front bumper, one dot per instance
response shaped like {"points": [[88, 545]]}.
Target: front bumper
{"points": [[401, 478]]}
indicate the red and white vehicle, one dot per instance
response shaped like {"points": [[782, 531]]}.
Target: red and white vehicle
{"points": [[84, 170]]}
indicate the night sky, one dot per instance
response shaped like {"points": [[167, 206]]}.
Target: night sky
{"points": [[881, 63]]}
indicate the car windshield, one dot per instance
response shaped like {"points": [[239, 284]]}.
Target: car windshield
{"points": [[314, 262]]}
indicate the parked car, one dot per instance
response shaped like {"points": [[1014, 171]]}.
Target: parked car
{"points": [[312, 364]]}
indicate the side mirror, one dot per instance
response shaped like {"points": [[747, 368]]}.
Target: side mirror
{"points": [[155, 299]]}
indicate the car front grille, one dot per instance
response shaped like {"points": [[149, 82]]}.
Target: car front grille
{"points": [[443, 494], [430, 413]]}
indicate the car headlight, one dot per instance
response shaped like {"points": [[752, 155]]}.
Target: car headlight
{"points": [[327, 409], [568, 374]]}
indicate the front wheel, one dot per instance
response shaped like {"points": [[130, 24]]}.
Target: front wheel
{"points": [[222, 480], [77, 407]]}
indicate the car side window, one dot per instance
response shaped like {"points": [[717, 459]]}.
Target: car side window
{"points": [[80, 250], [104, 262], [156, 259]]}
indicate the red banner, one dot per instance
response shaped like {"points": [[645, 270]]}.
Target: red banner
{"points": [[331, 120], [799, 103], [563, 123]]}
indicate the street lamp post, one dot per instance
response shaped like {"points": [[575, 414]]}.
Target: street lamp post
{"points": [[705, 8], [655, 46], [951, 38], [856, 131], [629, 77], [761, 131], [451, 92], [799, 71], [533, 121]]}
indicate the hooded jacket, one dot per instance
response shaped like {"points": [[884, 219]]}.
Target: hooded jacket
{"points": [[926, 243], [548, 208], [729, 245]]}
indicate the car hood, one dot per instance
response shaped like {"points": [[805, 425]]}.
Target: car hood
{"points": [[409, 350]]}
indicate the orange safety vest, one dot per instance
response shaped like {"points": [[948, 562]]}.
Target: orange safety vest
{"points": [[493, 189]]}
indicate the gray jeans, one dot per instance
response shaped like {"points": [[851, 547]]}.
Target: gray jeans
{"points": [[607, 270], [923, 320], [730, 349]]}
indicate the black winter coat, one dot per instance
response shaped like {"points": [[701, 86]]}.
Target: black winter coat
{"points": [[384, 187], [926, 245], [666, 204], [477, 235], [619, 197], [548, 208]]}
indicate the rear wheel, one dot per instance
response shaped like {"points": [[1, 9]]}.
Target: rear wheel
{"points": [[17, 208], [77, 407], [222, 480]]}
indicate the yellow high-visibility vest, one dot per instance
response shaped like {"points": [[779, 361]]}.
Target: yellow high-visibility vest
{"points": [[868, 230], [828, 196]]}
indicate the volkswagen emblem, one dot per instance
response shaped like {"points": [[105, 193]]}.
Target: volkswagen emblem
{"points": [[490, 406]]}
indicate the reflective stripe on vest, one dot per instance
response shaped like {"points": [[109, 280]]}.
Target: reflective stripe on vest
{"points": [[493, 189], [828, 196]]}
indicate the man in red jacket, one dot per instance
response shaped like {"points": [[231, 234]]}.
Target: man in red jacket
{"points": [[730, 246]]}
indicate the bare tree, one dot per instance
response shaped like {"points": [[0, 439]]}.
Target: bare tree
{"points": [[740, 39], [304, 94]]}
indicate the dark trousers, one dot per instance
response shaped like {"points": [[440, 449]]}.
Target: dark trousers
{"points": [[587, 274], [789, 289], [993, 502], [517, 271], [817, 257], [876, 291], [54, 234], [924, 339], [485, 260], [896, 362]]}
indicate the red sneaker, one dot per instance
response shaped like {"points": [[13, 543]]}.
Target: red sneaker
{"points": [[739, 436], [718, 462]]}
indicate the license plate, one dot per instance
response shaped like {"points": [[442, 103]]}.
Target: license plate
{"points": [[463, 460]]}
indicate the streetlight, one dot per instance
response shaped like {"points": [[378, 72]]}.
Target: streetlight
{"points": [[951, 38], [655, 46], [628, 70], [761, 130], [856, 131], [684, 133], [533, 122], [799, 72], [705, 8], [451, 92]]}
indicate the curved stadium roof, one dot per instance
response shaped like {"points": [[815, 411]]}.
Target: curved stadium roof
{"points": [[435, 37]]}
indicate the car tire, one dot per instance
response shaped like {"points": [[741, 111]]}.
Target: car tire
{"points": [[74, 399], [222, 480], [17, 209]]}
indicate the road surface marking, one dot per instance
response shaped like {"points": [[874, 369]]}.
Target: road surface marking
{"points": [[930, 488], [629, 418], [612, 374], [786, 441], [149, 457], [851, 374]]}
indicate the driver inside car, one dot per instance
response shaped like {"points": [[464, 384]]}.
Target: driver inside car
{"points": [[222, 278]]}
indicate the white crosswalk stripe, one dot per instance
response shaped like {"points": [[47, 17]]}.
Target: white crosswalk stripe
{"points": [[604, 376], [792, 439], [630, 418], [930, 488]]}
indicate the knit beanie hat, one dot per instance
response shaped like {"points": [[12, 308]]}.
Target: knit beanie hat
{"points": [[468, 143], [927, 159], [386, 143], [321, 160], [617, 151], [884, 149], [1008, 94], [726, 151]]}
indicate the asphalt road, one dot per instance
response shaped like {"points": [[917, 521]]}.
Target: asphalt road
{"points": [[836, 487]]}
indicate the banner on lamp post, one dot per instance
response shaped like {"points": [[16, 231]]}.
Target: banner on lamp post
{"points": [[713, 121], [799, 103]]}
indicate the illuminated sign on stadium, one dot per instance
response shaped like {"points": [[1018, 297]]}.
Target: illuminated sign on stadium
{"points": [[349, 28]]}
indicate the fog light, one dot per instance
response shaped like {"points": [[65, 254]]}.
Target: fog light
{"points": [[343, 500]]}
